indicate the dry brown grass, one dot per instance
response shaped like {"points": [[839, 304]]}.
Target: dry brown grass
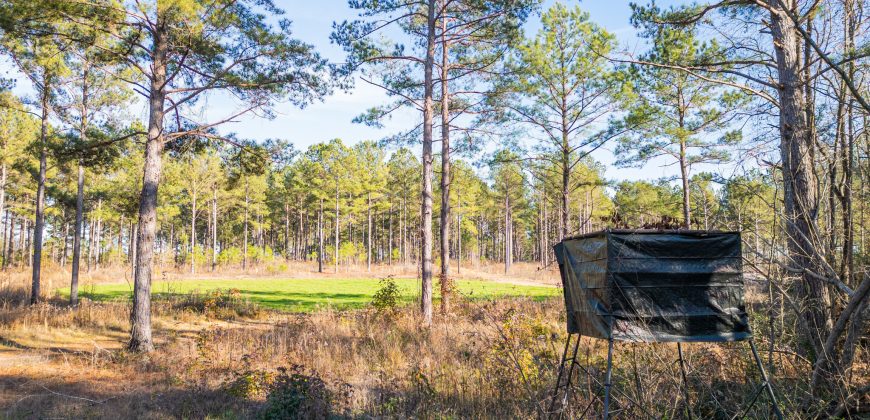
{"points": [[55, 277], [487, 359]]}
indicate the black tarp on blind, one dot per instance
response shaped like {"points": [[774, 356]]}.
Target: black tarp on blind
{"points": [[644, 285]]}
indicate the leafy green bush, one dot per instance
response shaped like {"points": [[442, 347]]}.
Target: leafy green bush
{"points": [[276, 268], [260, 255], [229, 256], [387, 297], [348, 250]]}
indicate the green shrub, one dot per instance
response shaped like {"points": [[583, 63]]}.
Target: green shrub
{"points": [[230, 256], [387, 297], [348, 250], [199, 255], [260, 255], [276, 268]]}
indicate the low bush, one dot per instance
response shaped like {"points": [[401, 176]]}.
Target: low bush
{"points": [[387, 297], [220, 304], [295, 395]]}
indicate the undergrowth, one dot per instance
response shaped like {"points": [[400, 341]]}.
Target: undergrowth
{"points": [[219, 356]]}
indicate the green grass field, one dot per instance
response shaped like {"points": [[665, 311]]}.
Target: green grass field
{"points": [[305, 295]]}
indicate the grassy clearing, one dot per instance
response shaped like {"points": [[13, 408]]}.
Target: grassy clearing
{"points": [[307, 295], [219, 357]]}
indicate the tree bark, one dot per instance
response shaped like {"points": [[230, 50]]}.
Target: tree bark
{"points": [[286, 231], [98, 235], [390, 233], [214, 222], [403, 228], [566, 178], [458, 231], [64, 248], [245, 235], [134, 233], [90, 255], [3, 179], [508, 234], [301, 240], [320, 238], [426, 206], [337, 224], [140, 317], [77, 237], [369, 243], [799, 179], [39, 222], [684, 177], [445, 169], [192, 232], [10, 243], [847, 270]]}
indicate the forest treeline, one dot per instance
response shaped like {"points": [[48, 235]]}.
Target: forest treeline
{"points": [[773, 92], [222, 206]]}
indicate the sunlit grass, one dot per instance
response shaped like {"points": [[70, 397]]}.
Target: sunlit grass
{"points": [[306, 295]]}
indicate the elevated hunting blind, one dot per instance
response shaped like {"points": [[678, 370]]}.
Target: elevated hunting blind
{"points": [[653, 286]]}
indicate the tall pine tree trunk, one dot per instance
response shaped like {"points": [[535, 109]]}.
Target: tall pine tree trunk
{"points": [[847, 266], [369, 242], [64, 252], [245, 234], [193, 232], [508, 234], [99, 234], [90, 256], [445, 169], [146, 232], [337, 224], [301, 240], [684, 177], [426, 206], [320, 238], [214, 222], [286, 231], [77, 237], [566, 179], [403, 227], [390, 233], [799, 179], [39, 222], [3, 178], [458, 232], [10, 242]]}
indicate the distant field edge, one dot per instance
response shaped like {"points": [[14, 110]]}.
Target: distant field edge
{"points": [[307, 295]]}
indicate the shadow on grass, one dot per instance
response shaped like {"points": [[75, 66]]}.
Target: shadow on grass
{"points": [[28, 397], [306, 302], [292, 301]]}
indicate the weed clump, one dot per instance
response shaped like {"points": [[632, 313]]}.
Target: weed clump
{"points": [[386, 299], [220, 304], [249, 384], [294, 394]]}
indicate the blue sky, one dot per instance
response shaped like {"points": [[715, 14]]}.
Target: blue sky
{"points": [[312, 23]]}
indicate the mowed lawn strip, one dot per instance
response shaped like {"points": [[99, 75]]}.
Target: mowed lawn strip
{"points": [[305, 295]]}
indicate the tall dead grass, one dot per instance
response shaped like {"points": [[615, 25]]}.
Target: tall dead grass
{"points": [[217, 357]]}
